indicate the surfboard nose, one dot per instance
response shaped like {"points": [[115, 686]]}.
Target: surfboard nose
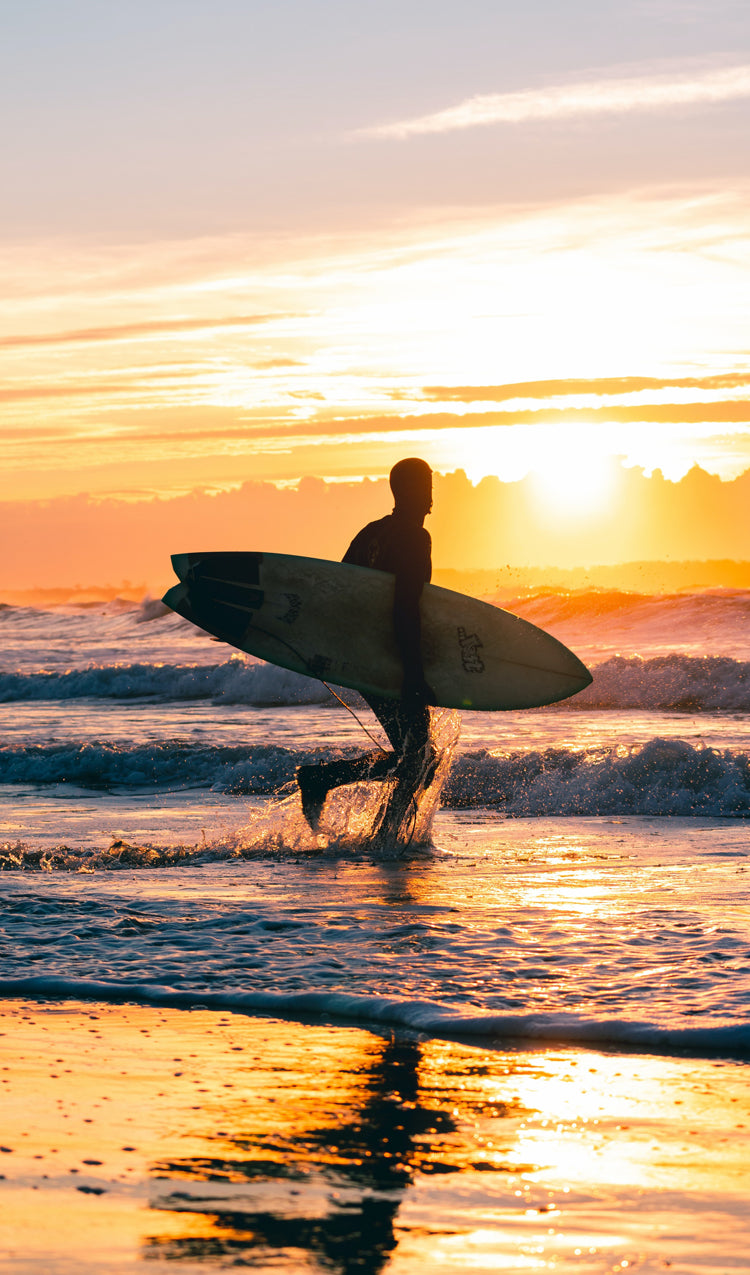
{"points": [[176, 597], [587, 676]]}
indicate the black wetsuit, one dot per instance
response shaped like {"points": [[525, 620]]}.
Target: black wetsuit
{"points": [[401, 546]]}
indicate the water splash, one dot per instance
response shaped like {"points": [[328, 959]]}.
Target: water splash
{"points": [[355, 823]]}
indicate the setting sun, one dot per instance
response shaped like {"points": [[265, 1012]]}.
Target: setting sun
{"points": [[571, 482]]}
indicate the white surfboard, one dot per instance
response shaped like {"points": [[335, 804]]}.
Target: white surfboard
{"points": [[334, 621]]}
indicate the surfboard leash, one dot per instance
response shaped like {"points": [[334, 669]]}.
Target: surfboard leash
{"points": [[311, 673], [349, 709]]}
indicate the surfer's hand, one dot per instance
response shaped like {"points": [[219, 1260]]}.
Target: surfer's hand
{"points": [[416, 692]]}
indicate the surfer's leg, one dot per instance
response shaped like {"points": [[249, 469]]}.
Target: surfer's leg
{"points": [[415, 771], [418, 761], [408, 730], [315, 782]]}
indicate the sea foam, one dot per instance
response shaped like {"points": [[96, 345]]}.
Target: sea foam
{"points": [[660, 777], [671, 682], [429, 1017]]}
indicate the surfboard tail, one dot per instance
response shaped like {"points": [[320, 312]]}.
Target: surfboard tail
{"points": [[180, 566], [176, 598]]}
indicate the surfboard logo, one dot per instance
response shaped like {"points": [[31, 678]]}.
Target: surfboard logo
{"points": [[295, 606], [470, 644]]}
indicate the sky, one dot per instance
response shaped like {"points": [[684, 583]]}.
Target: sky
{"points": [[248, 242]]}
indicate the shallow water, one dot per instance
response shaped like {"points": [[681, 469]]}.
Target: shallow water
{"points": [[586, 876], [617, 931], [517, 1042]]}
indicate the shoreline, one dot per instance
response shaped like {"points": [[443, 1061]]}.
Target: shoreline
{"points": [[134, 1132], [723, 1042]]}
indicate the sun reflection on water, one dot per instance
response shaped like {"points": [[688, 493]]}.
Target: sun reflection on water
{"points": [[307, 1147]]}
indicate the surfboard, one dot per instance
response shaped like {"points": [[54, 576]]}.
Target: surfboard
{"points": [[333, 621]]}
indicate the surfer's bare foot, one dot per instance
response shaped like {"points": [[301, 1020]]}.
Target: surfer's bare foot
{"points": [[313, 793]]}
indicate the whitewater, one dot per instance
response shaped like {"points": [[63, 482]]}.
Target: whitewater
{"points": [[584, 879]]}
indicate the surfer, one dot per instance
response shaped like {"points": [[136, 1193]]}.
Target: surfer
{"points": [[401, 545]]}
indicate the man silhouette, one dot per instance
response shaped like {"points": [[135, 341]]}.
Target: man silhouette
{"points": [[401, 545]]}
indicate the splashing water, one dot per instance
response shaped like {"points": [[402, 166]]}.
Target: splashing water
{"points": [[356, 821], [356, 816]]}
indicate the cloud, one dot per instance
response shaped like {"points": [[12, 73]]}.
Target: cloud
{"points": [[84, 538], [96, 389], [734, 412], [286, 432], [133, 331], [575, 385], [590, 97], [337, 430]]}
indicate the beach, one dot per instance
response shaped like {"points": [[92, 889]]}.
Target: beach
{"points": [[214, 1140], [269, 272], [520, 1042]]}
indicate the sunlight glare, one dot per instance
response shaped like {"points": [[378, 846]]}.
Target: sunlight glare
{"points": [[571, 481]]}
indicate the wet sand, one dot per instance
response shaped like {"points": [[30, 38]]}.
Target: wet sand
{"points": [[216, 1140]]}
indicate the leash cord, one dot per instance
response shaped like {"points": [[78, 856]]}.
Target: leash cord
{"points": [[349, 709], [311, 673], [413, 799]]}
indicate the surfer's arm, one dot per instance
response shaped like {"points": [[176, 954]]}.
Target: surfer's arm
{"points": [[407, 624]]}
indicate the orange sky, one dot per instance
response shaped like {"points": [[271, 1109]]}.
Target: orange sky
{"points": [[77, 541]]}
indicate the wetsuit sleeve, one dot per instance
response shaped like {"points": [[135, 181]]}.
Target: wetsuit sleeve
{"points": [[353, 554], [413, 572]]}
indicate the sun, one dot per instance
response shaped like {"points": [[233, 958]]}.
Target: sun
{"points": [[572, 482]]}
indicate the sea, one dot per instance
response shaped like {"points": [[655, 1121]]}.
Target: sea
{"points": [[582, 879]]}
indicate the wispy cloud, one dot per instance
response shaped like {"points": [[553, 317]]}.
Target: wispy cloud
{"points": [[732, 412], [136, 331], [647, 92], [288, 432], [575, 385]]}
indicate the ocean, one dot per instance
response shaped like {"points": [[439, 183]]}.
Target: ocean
{"points": [[142, 762], [583, 885]]}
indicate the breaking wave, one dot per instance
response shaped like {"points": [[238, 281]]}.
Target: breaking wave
{"points": [[548, 607], [231, 682], [668, 682], [257, 768], [661, 777]]}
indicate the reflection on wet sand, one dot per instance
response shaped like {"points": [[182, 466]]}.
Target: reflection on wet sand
{"points": [[357, 1169], [210, 1141]]}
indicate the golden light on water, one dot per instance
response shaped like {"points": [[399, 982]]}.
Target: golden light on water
{"points": [[137, 1133]]}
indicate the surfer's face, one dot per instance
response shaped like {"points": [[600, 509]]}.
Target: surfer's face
{"points": [[416, 497], [426, 495], [411, 484]]}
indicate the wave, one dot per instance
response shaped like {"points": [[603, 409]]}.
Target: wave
{"points": [[542, 605], [548, 607], [170, 763], [231, 682], [429, 1017], [600, 621], [667, 682], [661, 777], [680, 683]]}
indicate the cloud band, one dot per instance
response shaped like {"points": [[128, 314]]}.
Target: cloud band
{"points": [[595, 97]]}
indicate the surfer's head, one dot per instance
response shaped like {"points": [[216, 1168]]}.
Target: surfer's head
{"points": [[411, 484]]}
